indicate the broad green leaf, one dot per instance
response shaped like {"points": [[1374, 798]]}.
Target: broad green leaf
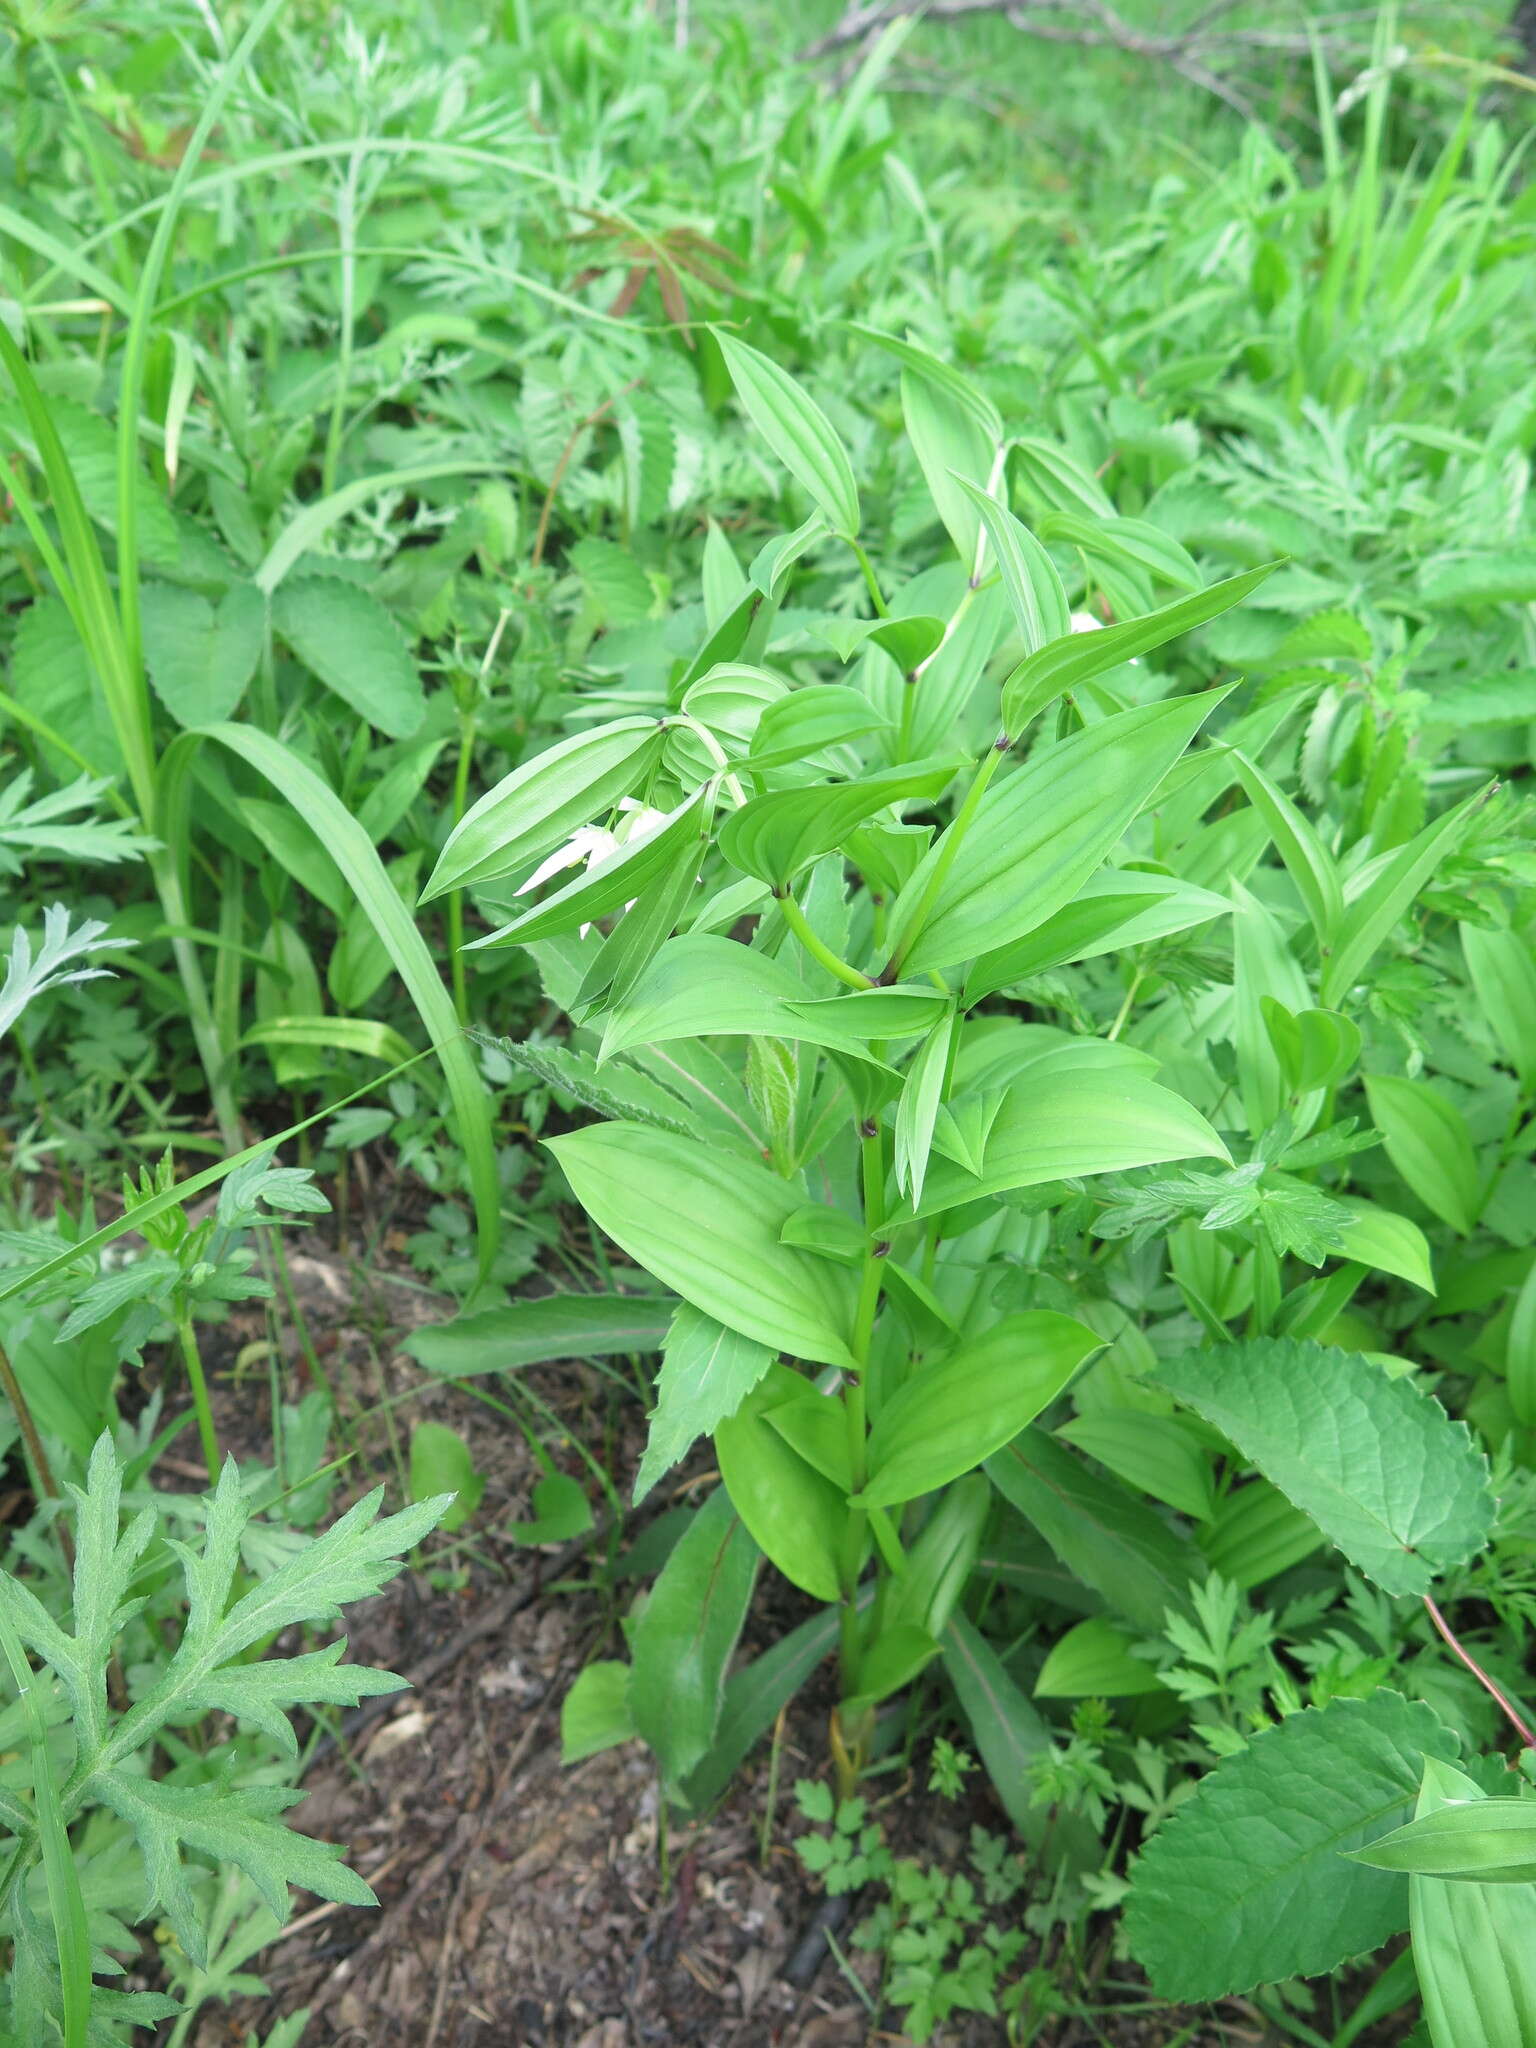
{"points": [[908, 640], [1474, 1944], [613, 882], [952, 1415], [900, 1011], [963, 391], [538, 1331], [706, 1373], [561, 1512], [797, 430], [1520, 1352], [802, 726], [1035, 592], [1009, 1733], [441, 1463], [707, 1224], [1380, 895], [344, 635], [1093, 1661], [201, 655], [1386, 1242], [1428, 1142], [1071, 1122], [940, 1561], [1156, 1454], [1076, 658], [540, 804], [1130, 543], [1247, 1883], [953, 448], [1376, 1463], [1255, 1534], [1114, 910], [1102, 1533], [615, 1090], [595, 1714], [1057, 479], [682, 1642], [1488, 1841], [1503, 973], [1316, 1048], [1308, 862], [707, 986], [775, 836], [754, 1695], [796, 1517], [1038, 836], [731, 698]]}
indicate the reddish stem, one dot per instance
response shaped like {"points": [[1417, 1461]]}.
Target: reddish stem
{"points": [[1522, 1726]]}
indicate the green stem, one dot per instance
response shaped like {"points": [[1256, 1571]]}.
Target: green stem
{"points": [[872, 1166], [800, 925], [197, 1381], [456, 898], [949, 847], [882, 609]]}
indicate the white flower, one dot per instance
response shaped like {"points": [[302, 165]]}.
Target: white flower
{"points": [[1085, 622], [590, 845]]}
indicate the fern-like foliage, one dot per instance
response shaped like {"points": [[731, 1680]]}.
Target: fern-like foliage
{"points": [[179, 1813]]}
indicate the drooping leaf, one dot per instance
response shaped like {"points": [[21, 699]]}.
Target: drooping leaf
{"points": [[1247, 1882], [795, 1514], [1375, 1462]]}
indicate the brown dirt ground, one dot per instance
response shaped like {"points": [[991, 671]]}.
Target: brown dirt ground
{"points": [[522, 1905]]}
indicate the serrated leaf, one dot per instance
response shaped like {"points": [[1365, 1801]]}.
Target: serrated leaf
{"points": [[343, 635], [201, 655], [1246, 1882], [1375, 1462], [706, 1373], [239, 1827]]}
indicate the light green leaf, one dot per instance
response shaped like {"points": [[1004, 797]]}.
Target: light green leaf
{"points": [[1487, 1841], [1076, 658], [1094, 1661], [538, 1331], [595, 1714], [1156, 1454], [917, 1107], [950, 1416], [705, 986], [1428, 1142], [1503, 973], [1375, 1462], [1205, 1923], [707, 1224], [775, 836], [1388, 1243], [344, 635], [200, 655], [540, 804], [706, 1373], [797, 430], [1308, 862], [1474, 1944], [796, 1516], [1035, 592], [1116, 909], [1381, 893], [1038, 836], [441, 1463], [1069, 1122]]}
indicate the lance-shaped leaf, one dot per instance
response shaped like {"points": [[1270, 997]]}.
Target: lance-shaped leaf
{"points": [[797, 430], [950, 1416], [1035, 592], [1077, 658], [614, 882], [1427, 1140], [796, 1515], [1383, 890], [1474, 1944], [1115, 909], [1038, 836], [1247, 1883], [775, 836], [707, 1371], [1308, 862], [535, 1332], [708, 1223], [540, 804], [705, 986], [1066, 1122], [682, 1642], [1492, 1841], [1377, 1463]]}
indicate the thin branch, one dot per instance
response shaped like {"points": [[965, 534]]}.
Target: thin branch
{"points": [[1512, 1713]]}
